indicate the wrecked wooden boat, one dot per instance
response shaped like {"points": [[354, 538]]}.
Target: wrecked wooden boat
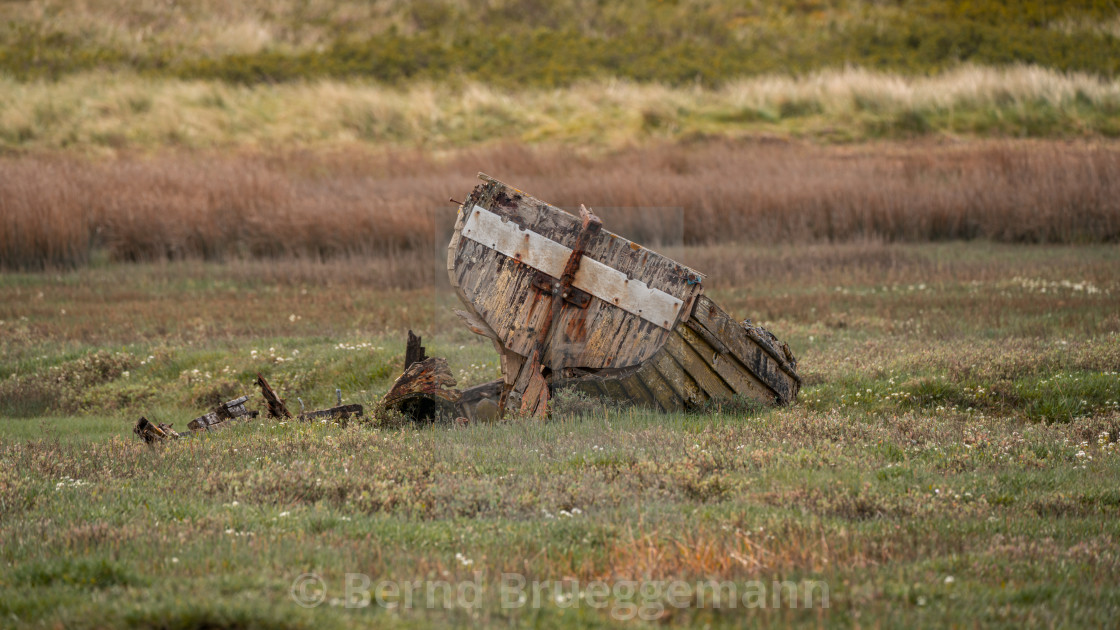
{"points": [[568, 304]]}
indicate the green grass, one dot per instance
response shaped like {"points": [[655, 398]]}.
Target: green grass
{"points": [[98, 113], [553, 44], [952, 460]]}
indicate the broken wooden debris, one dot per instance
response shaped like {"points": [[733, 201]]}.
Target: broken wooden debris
{"points": [[338, 412], [341, 412], [218, 417], [153, 433], [221, 416], [413, 351], [480, 403], [276, 407], [569, 304], [425, 392]]}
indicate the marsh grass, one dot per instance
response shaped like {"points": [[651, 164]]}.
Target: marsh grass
{"points": [[59, 211], [959, 419]]}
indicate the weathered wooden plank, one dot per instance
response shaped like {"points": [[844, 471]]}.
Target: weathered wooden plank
{"points": [[341, 412], [217, 417], [666, 398], [276, 407], [734, 373], [630, 258], [624, 255], [592, 276], [510, 364], [596, 337], [762, 363], [477, 273], [711, 316], [678, 380], [414, 351], [521, 244], [589, 387], [613, 389], [534, 400], [692, 363], [636, 392]]}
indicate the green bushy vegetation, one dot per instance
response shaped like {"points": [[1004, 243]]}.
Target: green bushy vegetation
{"points": [[527, 42]]}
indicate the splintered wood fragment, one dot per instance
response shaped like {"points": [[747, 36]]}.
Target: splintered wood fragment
{"points": [[414, 352], [424, 392], [475, 324], [341, 412], [152, 433], [534, 402], [217, 417], [276, 407]]}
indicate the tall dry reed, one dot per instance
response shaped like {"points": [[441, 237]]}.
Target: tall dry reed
{"points": [[58, 211]]}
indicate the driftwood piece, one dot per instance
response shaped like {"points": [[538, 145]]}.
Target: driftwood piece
{"points": [[217, 417], [413, 352], [152, 433], [276, 407], [341, 412], [533, 386], [424, 392]]}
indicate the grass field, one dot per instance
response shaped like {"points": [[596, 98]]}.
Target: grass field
{"points": [[952, 458]]}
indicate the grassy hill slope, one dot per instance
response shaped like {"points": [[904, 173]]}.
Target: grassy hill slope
{"points": [[519, 42]]}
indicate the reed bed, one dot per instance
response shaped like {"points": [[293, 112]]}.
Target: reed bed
{"points": [[64, 211]]}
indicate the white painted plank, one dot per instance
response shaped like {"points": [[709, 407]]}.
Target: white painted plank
{"points": [[536, 251], [544, 254], [634, 296]]}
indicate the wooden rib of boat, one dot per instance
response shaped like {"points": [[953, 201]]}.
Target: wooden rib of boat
{"points": [[569, 304]]}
